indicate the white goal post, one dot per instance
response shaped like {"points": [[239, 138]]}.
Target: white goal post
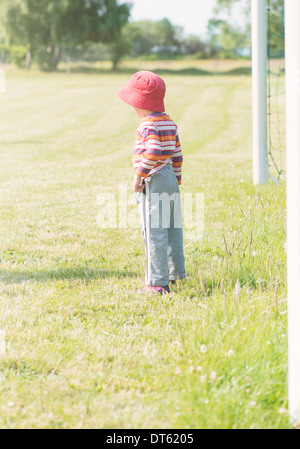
{"points": [[260, 164], [259, 92]]}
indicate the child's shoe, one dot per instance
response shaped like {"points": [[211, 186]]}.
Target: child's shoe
{"points": [[156, 290]]}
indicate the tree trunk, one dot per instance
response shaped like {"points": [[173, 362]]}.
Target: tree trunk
{"points": [[68, 61], [28, 59], [56, 57], [115, 62]]}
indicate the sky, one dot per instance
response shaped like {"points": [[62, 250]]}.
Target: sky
{"points": [[193, 15]]}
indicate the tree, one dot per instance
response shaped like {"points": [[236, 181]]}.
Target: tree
{"points": [[47, 25], [3, 33], [275, 18], [154, 37], [142, 38], [168, 37], [192, 45], [119, 48], [228, 5], [213, 31]]}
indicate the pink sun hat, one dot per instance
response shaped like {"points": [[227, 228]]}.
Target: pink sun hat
{"points": [[145, 90]]}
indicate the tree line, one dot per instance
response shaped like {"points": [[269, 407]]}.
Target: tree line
{"points": [[48, 31]]}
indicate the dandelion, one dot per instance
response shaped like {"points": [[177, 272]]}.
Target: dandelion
{"points": [[213, 375], [203, 349], [252, 404], [178, 371], [237, 290]]}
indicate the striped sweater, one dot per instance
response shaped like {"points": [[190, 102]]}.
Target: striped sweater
{"points": [[157, 144]]}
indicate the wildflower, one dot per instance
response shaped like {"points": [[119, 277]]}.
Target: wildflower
{"points": [[199, 368], [202, 378], [252, 404], [213, 375], [237, 289], [178, 371], [254, 253], [191, 369], [203, 349], [229, 353], [282, 411]]}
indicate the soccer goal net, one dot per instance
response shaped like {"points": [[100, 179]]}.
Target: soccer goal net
{"points": [[276, 89]]}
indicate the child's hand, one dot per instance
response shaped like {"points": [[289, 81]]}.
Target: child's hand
{"points": [[137, 184]]}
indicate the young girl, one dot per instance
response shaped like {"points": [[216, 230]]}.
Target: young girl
{"points": [[157, 162]]}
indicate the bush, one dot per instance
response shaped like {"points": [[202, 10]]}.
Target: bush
{"points": [[18, 55], [4, 53], [15, 54]]}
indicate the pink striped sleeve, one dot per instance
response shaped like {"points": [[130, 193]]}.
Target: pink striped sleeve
{"points": [[152, 151], [177, 160]]}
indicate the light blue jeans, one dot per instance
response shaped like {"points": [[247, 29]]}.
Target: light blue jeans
{"points": [[161, 224]]}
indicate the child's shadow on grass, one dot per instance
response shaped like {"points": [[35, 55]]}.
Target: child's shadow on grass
{"points": [[83, 273]]}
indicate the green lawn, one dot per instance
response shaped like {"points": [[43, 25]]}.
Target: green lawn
{"points": [[80, 347]]}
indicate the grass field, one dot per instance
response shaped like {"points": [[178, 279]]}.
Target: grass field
{"points": [[80, 347]]}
